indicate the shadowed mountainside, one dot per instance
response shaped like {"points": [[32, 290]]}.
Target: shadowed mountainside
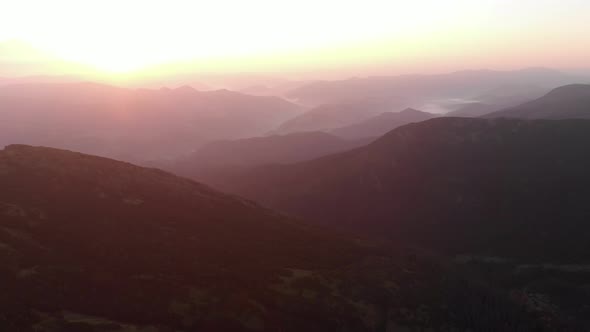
{"points": [[566, 102], [91, 244], [498, 187]]}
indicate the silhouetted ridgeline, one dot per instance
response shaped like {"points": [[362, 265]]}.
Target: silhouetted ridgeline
{"points": [[129, 124], [515, 188], [382, 123], [566, 102]]}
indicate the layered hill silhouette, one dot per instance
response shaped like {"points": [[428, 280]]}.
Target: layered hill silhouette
{"points": [[221, 158], [132, 124], [566, 102], [331, 116], [275, 149], [416, 89], [474, 110], [502, 187], [382, 123], [92, 244]]}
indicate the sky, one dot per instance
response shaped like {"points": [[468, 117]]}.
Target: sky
{"points": [[129, 37]]}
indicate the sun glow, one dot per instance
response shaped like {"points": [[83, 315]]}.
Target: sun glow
{"points": [[127, 35]]}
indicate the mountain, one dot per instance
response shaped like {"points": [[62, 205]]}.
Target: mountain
{"points": [[225, 158], [277, 149], [89, 241], [512, 94], [499, 187], [497, 99], [130, 124], [505, 199], [91, 244], [474, 110], [566, 102], [382, 123], [176, 74], [276, 88], [420, 89], [331, 116]]}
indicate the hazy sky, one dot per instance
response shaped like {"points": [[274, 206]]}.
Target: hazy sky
{"points": [[365, 36]]}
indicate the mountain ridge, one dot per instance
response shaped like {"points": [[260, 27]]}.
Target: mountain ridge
{"points": [[417, 89], [382, 123], [132, 124], [426, 174], [569, 101]]}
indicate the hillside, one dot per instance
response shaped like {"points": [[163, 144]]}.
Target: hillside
{"points": [[91, 244], [566, 102], [454, 184], [98, 238], [381, 124]]}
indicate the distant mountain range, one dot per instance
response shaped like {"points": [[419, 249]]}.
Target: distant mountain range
{"points": [[382, 123], [417, 89], [475, 110], [91, 244], [331, 116], [132, 124], [497, 99]]}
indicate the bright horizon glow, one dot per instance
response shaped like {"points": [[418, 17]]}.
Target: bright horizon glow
{"points": [[125, 36]]}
